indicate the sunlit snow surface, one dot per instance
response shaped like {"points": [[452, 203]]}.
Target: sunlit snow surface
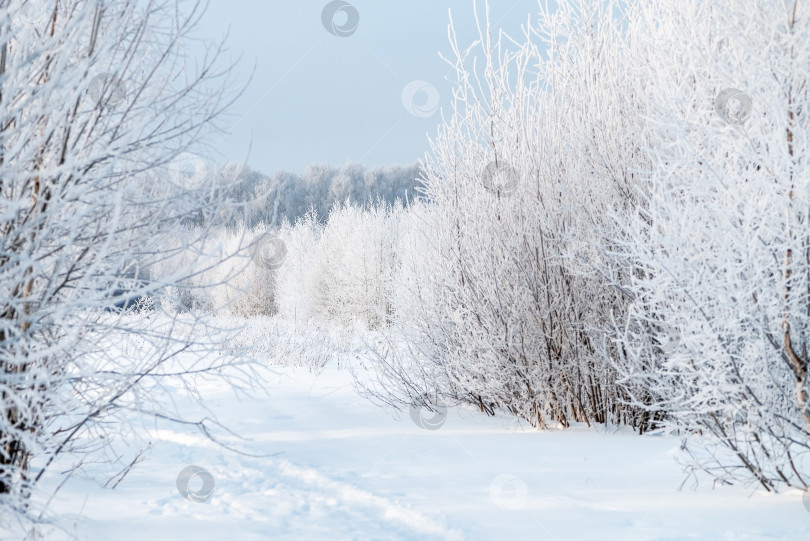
{"points": [[338, 467]]}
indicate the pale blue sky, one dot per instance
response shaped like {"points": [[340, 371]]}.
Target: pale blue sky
{"points": [[319, 98]]}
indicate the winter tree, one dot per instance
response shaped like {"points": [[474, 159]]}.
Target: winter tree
{"points": [[98, 101], [501, 311], [722, 250]]}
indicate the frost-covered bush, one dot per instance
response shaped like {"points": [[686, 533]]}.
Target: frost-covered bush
{"points": [[723, 249], [296, 278], [352, 265], [283, 342], [339, 272], [96, 103], [510, 300], [226, 278]]}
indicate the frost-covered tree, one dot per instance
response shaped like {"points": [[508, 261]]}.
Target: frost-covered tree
{"points": [[723, 247], [97, 99], [352, 265], [512, 306], [271, 199]]}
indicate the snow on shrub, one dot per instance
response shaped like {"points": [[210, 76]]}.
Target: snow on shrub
{"points": [[722, 250]]}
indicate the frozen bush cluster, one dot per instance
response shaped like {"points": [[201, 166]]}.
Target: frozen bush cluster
{"points": [[612, 229]]}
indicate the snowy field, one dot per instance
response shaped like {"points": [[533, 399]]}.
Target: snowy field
{"points": [[609, 225], [328, 464]]}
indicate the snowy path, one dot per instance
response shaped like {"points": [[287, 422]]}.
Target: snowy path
{"points": [[348, 470]]}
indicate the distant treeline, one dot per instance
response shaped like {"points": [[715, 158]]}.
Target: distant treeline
{"points": [[270, 199]]}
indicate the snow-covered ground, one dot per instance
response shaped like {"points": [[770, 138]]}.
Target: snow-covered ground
{"points": [[334, 466]]}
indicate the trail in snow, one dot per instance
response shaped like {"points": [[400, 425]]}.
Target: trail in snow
{"points": [[335, 467]]}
